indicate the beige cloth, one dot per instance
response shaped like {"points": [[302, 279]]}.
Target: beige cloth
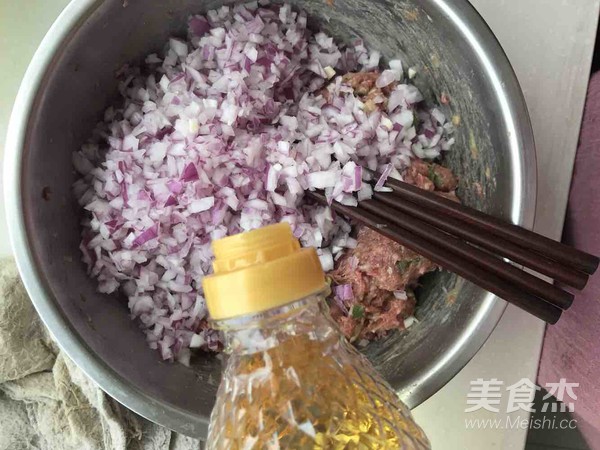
{"points": [[47, 403]]}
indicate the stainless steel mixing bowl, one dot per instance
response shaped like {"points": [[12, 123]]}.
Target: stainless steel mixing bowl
{"points": [[71, 81]]}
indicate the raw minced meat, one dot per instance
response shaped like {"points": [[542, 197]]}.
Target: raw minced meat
{"points": [[431, 176], [365, 87], [381, 273]]}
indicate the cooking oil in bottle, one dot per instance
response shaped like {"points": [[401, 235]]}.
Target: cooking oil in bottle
{"points": [[292, 381]]}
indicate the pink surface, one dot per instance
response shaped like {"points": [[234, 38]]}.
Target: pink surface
{"points": [[572, 347]]}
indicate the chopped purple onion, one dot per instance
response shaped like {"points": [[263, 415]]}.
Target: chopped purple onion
{"points": [[344, 292], [385, 173], [224, 133]]}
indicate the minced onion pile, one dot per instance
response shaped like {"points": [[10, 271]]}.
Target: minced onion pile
{"points": [[224, 134]]}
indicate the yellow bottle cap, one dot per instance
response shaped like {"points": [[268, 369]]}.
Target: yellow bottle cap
{"points": [[260, 270]]}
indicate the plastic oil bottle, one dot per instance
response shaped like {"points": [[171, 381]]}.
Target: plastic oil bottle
{"points": [[292, 381]]}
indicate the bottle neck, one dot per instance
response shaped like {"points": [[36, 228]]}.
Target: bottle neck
{"points": [[307, 317]]}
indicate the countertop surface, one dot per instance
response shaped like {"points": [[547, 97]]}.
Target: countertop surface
{"points": [[550, 44]]}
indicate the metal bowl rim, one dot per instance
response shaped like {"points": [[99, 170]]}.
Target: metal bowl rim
{"points": [[473, 337]]}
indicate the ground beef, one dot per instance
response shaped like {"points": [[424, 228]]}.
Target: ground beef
{"points": [[431, 176], [363, 84], [382, 272], [390, 318], [417, 173], [390, 265], [379, 271]]}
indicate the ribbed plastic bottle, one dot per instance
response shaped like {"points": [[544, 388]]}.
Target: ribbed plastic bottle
{"points": [[292, 381]]}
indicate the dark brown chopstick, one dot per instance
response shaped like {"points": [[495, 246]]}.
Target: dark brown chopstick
{"points": [[451, 261], [498, 228], [523, 280], [483, 238]]}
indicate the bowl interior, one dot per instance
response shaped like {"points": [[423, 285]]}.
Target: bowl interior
{"points": [[80, 83]]}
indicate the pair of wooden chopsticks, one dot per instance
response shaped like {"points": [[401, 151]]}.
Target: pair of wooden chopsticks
{"points": [[473, 245]]}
